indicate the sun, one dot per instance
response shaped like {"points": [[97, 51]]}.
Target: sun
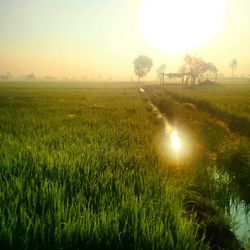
{"points": [[180, 25]]}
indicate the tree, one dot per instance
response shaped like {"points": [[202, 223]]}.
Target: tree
{"points": [[233, 64], [182, 70], [212, 70], [142, 65], [195, 67], [160, 71], [5, 77]]}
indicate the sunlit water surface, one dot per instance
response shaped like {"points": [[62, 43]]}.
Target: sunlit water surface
{"points": [[236, 206]]}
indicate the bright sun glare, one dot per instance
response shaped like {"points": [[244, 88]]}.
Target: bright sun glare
{"points": [[175, 140], [179, 25]]}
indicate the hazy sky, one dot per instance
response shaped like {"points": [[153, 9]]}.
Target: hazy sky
{"points": [[102, 37]]}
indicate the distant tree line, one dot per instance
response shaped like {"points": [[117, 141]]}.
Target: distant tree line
{"points": [[6, 77], [193, 70]]}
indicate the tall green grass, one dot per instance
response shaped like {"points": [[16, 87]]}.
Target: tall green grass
{"points": [[79, 169]]}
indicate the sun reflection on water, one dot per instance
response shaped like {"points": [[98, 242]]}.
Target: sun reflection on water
{"points": [[177, 143], [175, 140]]}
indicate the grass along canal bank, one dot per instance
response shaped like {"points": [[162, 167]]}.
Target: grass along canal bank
{"points": [[215, 169]]}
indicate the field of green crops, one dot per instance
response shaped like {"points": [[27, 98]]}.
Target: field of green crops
{"points": [[228, 98], [230, 102], [79, 169], [83, 166]]}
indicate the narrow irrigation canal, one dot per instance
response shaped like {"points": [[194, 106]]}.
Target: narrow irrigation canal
{"points": [[237, 206], [231, 199]]}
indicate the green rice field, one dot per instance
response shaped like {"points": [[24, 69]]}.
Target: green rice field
{"points": [[86, 166], [230, 102]]}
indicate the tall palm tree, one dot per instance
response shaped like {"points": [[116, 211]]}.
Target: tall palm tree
{"points": [[233, 64]]}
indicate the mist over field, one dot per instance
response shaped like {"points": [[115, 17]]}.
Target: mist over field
{"points": [[124, 125]]}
